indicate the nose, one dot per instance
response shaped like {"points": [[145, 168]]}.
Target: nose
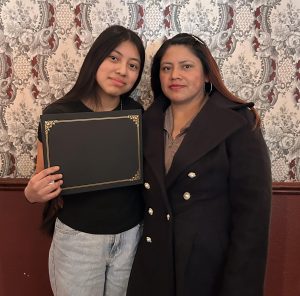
{"points": [[122, 69], [175, 74]]}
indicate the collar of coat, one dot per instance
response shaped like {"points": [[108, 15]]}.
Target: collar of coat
{"points": [[217, 120]]}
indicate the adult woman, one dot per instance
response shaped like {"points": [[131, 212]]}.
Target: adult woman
{"points": [[207, 182], [96, 233]]}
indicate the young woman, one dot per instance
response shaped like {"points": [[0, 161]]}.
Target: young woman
{"points": [[96, 233], [207, 183]]}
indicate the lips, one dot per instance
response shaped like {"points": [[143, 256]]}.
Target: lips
{"points": [[118, 82], [176, 86]]}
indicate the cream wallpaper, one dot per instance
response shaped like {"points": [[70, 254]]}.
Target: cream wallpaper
{"points": [[43, 43]]}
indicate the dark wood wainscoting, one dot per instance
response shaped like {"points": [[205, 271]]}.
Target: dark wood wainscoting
{"points": [[24, 248], [283, 269]]}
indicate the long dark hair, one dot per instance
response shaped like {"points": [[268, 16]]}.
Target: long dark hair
{"points": [[210, 67], [86, 85]]}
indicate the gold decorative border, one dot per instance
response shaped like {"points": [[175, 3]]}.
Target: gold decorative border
{"points": [[134, 118]]}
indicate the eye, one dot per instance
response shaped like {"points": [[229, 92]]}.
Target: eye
{"points": [[165, 68], [187, 66], [134, 67], [113, 58]]}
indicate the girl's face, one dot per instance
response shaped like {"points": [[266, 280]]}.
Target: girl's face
{"points": [[119, 70], [181, 75]]}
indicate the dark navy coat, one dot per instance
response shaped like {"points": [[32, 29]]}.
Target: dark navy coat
{"points": [[206, 221]]}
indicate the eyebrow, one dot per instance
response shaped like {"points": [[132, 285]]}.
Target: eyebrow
{"points": [[135, 59], [181, 62]]}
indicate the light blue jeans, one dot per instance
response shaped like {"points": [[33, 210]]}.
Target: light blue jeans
{"points": [[82, 264]]}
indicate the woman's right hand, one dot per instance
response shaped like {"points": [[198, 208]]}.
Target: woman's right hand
{"points": [[44, 185]]}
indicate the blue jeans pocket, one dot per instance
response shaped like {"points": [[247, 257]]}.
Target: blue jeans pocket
{"points": [[62, 228]]}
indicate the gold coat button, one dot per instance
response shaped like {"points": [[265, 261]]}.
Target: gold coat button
{"points": [[192, 175], [147, 185], [168, 217], [150, 211], [148, 239], [186, 195]]}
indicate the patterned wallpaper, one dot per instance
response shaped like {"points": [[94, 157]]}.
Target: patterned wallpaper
{"points": [[43, 43]]}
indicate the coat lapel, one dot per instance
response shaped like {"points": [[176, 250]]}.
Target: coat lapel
{"points": [[209, 128], [153, 135]]}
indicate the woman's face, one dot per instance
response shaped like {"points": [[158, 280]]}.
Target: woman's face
{"points": [[181, 75], [119, 70]]}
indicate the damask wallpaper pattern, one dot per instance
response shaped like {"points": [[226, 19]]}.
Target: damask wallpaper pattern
{"points": [[43, 43]]}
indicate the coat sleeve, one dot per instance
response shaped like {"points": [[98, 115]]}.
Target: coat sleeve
{"points": [[250, 192]]}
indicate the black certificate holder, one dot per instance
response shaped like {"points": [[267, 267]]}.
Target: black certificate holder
{"points": [[95, 150]]}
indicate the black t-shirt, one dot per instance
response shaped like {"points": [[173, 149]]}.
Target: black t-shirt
{"points": [[107, 211]]}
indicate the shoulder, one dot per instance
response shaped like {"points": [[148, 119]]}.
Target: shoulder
{"points": [[223, 102], [159, 105], [129, 103], [238, 109], [64, 106]]}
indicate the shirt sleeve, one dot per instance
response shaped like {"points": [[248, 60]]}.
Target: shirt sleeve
{"points": [[51, 109]]}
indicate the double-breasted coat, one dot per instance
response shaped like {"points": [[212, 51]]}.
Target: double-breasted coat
{"points": [[206, 221]]}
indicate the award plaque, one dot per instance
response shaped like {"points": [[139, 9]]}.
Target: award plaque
{"points": [[95, 150]]}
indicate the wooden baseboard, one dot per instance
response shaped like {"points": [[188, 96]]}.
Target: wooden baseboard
{"points": [[12, 184], [286, 188], [279, 188]]}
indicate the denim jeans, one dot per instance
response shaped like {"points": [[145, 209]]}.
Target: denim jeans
{"points": [[82, 264]]}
